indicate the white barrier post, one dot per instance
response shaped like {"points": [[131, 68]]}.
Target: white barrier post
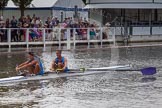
{"points": [[88, 37], [44, 39], [9, 39], [114, 38], [101, 37], [68, 39], [74, 30], [27, 38], [59, 38]]}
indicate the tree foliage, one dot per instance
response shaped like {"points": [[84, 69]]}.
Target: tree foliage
{"points": [[22, 4], [3, 3], [84, 1]]}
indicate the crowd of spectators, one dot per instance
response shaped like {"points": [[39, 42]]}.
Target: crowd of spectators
{"points": [[35, 24]]}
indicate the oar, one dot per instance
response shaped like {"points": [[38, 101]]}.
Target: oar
{"points": [[144, 71], [125, 67]]}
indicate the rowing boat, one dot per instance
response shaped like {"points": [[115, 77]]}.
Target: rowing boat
{"points": [[71, 73]]}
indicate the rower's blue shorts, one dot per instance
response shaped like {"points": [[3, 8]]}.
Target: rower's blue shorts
{"points": [[66, 70]]}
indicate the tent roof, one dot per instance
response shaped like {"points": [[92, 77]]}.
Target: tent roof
{"points": [[43, 3], [70, 3], [11, 4], [51, 3]]}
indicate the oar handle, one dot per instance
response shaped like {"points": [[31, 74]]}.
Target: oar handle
{"points": [[80, 69], [56, 70]]}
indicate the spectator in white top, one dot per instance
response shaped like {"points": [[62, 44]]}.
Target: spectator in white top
{"points": [[106, 30]]}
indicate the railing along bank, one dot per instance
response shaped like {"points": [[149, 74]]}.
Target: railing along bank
{"points": [[68, 36]]}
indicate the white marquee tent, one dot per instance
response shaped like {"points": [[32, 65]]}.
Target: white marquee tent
{"points": [[45, 8]]}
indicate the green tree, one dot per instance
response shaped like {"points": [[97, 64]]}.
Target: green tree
{"points": [[3, 3], [22, 4], [84, 1]]}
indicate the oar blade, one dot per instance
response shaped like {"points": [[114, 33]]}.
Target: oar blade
{"points": [[149, 71]]}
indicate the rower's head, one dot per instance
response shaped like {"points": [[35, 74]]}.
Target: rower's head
{"points": [[58, 53], [31, 55]]}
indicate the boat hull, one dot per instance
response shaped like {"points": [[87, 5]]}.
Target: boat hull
{"points": [[53, 75]]}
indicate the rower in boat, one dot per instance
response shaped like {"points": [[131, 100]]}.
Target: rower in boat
{"points": [[60, 63], [32, 66]]}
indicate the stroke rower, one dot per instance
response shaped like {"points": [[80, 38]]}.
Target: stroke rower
{"points": [[60, 63], [32, 66]]}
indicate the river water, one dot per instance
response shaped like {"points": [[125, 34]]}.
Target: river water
{"points": [[125, 89]]}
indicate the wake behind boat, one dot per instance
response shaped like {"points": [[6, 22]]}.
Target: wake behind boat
{"points": [[71, 73]]}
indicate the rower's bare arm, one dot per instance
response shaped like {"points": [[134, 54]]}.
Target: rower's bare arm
{"points": [[22, 64], [65, 63], [52, 67], [27, 65]]}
